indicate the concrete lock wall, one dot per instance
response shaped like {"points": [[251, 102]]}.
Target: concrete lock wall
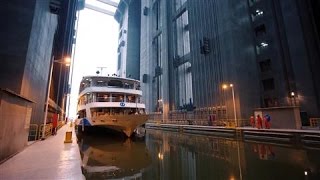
{"points": [[15, 114], [282, 117]]}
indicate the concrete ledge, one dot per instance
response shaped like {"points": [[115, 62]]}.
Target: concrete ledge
{"points": [[286, 136]]}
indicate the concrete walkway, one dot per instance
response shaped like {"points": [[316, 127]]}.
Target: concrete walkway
{"points": [[51, 159]]}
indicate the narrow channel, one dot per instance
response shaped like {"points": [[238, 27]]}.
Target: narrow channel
{"points": [[173, 155]]}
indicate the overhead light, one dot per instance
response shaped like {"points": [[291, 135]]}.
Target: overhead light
{"points": [[263, 44], [224, 86], [259, 12]]}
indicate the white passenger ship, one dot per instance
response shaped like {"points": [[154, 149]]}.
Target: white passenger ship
{"points": [[110, 102]]}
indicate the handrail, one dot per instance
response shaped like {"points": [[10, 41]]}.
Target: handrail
{"points": [[60, 124], [33, 132], [202, 118], [314, 122], [48, 130]]}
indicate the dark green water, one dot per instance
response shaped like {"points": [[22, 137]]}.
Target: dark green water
{"points": [[170, 155]]}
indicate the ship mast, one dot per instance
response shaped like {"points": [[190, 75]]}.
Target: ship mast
{"points": [[101, 69]]}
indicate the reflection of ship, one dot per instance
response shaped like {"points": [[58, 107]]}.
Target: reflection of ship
{"points": [[113, 158], [111, 102]]}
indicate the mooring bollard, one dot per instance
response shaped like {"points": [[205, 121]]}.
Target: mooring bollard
{"points": [[68, 138]]}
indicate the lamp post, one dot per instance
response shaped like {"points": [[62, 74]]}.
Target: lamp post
{"points": [[293, 97], [225, 86], [67, 63]]}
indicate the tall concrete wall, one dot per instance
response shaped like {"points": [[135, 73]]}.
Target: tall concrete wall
{"points": [[292, 47], [15, 114], [231, 58], [146, 64], [293, 51], [133, 41], [16, 18], [26, 53], [25, 60], [38, 58]]}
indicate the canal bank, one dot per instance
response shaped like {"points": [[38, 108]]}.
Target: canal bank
{"points": [[48, 159], [303, 136]]}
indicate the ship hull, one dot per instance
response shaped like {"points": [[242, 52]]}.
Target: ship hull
{"points": [[121, 123]]}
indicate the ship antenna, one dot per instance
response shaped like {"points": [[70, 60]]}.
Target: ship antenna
{"points": [[101, 68]]}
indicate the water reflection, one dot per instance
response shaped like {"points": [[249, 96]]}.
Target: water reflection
{"points": [[112, 157], [201, 157], [170, 155]]}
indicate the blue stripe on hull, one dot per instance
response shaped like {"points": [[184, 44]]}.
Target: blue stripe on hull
{"points": [[85, 121]]}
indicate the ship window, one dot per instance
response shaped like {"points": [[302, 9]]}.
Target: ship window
{"points": [[83, 100], [82, 114], [103, 97], [131, 98], [117, 98], [101, 83], [115, 83], [128, 85]]}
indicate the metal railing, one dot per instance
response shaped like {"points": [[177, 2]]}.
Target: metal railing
{"points": [[48, 130], [60, 124], [314, 122], [33, 132], [202, 118]]}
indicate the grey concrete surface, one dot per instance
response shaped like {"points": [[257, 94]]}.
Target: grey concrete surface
{"points": [[213, 128], [15, 113], [46, 160]]}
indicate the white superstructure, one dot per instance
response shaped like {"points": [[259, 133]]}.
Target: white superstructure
{"points": [[112, 102]]}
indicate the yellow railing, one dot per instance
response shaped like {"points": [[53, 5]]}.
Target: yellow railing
{"points": [[33, 132], [314, 122], [48, 130], [60, 124]]}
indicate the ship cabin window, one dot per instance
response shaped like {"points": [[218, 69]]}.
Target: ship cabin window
{"points": [[131, 98], [108, 97], [83, 100], [117, 98], [95, 112], [102, 97], [100, 111], [128, 85], [85, 83], [115, 83], [82, 114], [100, 83]]}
